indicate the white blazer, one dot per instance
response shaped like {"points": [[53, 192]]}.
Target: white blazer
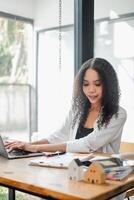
{"points": [[106, 140]]}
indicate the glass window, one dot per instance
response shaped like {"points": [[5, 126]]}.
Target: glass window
{"points": [[114, 41], [54, 83], [15, 64], [15, 50], [15, 109]]}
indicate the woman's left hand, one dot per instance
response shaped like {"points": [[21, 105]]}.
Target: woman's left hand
{"points": [[30, 147]]}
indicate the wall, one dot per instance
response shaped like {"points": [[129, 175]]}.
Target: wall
{"points": [[24, 8], [44, 12], [103, 8], [47, 13]]}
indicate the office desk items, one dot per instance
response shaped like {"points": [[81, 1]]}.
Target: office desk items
{"points": [[127, 158], [126, 147], [98, 170], [109, 162], [124, 156], [76, 170], [95, 173], [16, 153], [53, 183], [118, 173], [60, 160], [52, 154], [114, 168]]}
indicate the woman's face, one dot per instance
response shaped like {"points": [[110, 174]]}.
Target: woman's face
{"points": [[92, 87]]}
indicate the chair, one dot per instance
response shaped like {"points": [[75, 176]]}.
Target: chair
{"points": [[124, 148]]}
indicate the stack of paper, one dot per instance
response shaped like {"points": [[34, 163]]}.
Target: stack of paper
{"points": [[59, 161], [118, 173]]}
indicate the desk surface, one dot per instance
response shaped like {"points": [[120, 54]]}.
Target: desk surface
{"points": [[43, 181]]}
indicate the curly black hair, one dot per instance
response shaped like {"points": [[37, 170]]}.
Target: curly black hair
{"points": [[111, 92]]}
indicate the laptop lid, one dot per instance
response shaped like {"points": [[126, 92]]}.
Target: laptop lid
{"points": [[16, 154]]}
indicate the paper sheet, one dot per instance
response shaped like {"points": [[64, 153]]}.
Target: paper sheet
{"points": [[60, 161]]}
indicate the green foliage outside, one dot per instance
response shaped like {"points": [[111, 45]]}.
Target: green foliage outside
{"points": [[19, 195], [3, 193], [13, 51]]}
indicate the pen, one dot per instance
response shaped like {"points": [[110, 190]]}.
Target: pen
{"points": [[57, 153]]}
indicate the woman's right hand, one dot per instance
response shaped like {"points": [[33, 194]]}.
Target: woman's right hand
{"points": [[15, 145], [21, 145]]}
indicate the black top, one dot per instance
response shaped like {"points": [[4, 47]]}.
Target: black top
{"points": [[82, 131]]}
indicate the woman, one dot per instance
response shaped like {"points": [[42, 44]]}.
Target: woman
{"points": [[96, 120]]}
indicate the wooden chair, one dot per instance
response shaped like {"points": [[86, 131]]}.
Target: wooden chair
{"points": [[124, 148]]}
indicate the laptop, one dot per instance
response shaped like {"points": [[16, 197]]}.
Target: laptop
{"points": [[16, 153]]}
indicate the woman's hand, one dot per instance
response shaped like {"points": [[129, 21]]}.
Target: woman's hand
{"points": [[30, 147], [35, 147], [14, 145], [20, 145]]}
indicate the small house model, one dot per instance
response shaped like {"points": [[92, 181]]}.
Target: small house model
{"points": [[75, 170], [95, 173]]}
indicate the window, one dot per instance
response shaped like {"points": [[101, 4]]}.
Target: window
{"points": [[15, 66], [15, 50], [114, 41], [54, 84]]}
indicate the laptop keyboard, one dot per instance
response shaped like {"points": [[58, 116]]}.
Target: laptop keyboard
{"points": [[19, 152]]}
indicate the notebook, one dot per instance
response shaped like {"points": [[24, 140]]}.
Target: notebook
{"points": [[16, 153]]}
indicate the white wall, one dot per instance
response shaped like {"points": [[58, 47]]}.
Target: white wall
{"points": [[103, 8], [44, 12], [47, 13], [24, 8]]}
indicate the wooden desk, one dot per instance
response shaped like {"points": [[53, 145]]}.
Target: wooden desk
{"points": [[49, 182]]}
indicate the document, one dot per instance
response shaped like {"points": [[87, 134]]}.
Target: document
{"points": [[127, 158], [115, 168], [118, 173], [124, 156], [59, 161]]}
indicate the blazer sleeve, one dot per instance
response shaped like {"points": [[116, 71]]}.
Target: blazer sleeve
{"points": [[99, 138], [63, 134]]}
